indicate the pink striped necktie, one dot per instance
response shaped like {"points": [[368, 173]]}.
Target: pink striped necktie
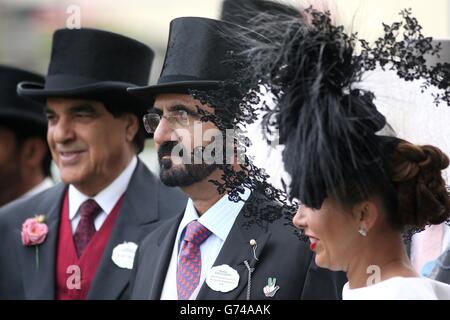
{"points": [[189, 260]]}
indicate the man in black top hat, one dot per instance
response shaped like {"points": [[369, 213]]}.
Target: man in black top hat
{"points": [[79, 238], [25, 158], [209, 251]]}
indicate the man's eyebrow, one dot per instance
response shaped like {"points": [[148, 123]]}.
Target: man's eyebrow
{"points": [[155, 110], [182, 107], [48, 110], [83, 108]]}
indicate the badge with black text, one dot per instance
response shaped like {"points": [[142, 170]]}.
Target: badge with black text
{"points": [[123, 255], [222, 278]]}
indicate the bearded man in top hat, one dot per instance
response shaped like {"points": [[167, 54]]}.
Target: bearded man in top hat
{"points": [[25, 158], [211, 250], [77, 240]]}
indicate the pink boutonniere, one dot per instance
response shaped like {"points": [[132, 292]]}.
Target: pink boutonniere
{"points": [[34, 232]]}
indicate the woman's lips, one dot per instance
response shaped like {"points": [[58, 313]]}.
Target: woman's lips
{"points": [[313, 243]]}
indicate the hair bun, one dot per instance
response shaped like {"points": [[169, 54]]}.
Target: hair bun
{"points": [[423, 197], [412, 160], [435, 158]]}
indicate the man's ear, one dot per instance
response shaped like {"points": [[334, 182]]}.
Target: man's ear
{"points": [[366, 214], [132, 126], [33, 151]]}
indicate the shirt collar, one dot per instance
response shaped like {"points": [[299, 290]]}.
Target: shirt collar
{"points": [[219, 219], [108, 197]]}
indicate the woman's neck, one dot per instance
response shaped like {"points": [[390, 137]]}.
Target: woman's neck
{"points": [[382, 257]]}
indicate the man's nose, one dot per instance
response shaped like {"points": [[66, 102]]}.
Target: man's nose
{"points": [[62, 131], [163, 132]]}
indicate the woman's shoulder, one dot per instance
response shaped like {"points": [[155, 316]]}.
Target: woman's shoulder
{"points": [[400, 288]]}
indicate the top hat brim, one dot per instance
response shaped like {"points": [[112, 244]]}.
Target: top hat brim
{"points": [[100, 90], [149, 93], [15, 115]]}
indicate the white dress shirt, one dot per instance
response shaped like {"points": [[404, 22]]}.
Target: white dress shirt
{"points": [[106, 199], [219, 219]]}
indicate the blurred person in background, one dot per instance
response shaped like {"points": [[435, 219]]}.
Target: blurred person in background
{"points": [[25, 158], [439, 241]]}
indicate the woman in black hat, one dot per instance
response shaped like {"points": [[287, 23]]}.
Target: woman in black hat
{"points": [[359, 188]]}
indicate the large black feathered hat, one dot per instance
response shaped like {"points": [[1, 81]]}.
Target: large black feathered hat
{"points": [[241, 12], [15, 110], [93, 64], [444, 53], [329, 125], [197, 58]]}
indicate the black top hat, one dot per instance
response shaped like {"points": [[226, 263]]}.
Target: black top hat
{"points": [[93, 64], [13, 107], [196, 58]]}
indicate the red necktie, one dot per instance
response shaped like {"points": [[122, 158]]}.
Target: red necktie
{"points": [[86, 228], [190, 260]]}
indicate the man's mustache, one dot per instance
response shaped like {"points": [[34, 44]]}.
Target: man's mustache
{"points": [[167, 147]]}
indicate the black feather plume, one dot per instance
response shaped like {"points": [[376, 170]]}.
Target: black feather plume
{"points": [[328, 125]]}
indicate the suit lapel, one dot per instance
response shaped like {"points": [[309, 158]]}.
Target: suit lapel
{"points": [[40, 283], [140, 207], [235, 251], [161, 257]]}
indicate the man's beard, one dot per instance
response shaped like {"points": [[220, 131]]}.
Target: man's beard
{"points": [[182, 175]]}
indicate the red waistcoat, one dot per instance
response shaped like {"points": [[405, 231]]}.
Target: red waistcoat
{"points": [[74, 275]]}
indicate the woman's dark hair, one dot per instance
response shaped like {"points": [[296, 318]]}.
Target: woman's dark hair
{"points": [[422, 195], [412, 190]]}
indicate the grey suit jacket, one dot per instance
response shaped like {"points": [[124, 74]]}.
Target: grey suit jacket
{"points": [[147, 202], [441, 271], [281, 255]]}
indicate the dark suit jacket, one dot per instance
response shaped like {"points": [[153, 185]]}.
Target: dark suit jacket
{"points": [[281, 255], [146, 203]]}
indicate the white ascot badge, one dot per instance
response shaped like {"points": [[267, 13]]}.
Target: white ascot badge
{"points": [[123, 255], [222, 278]]}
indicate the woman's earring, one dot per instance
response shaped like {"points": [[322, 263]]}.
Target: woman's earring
{"points": [[363, 231]]}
